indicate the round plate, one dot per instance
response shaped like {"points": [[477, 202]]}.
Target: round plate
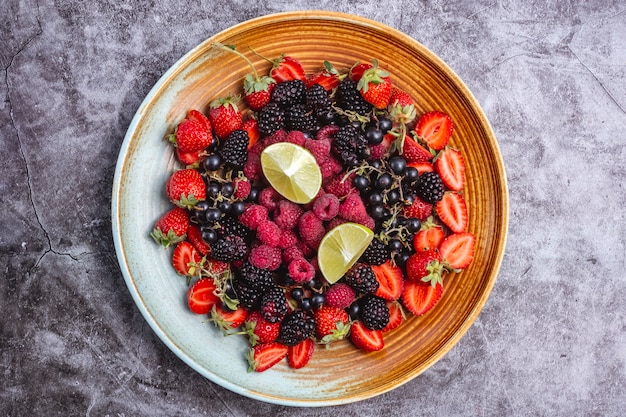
{"points": [[341, 373]]}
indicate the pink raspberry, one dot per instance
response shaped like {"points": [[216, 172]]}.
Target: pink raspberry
{"points": [[368, 222], [242, 188], [311, 229], [296, 137], [286, 214], [291, 253], [253, 214], [319, 148], [336, 222], [326, 206], [353, 209], [268, 232], [252, 168], [327, 132], [278, 136], [257, 148], [288, 239], [339, 186], [301, 270], [266, 257], [330, 167], [340, 295], [269, 198]]}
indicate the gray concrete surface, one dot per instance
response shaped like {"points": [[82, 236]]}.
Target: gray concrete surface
{"points": [[551, 76]]}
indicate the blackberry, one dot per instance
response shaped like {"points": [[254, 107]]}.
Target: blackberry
{"points": [[248, 293], [261, 277], [350, 144], [230, 226], [274, 305], [361, 277], [229, 249], [429, 187], [377, 253], [349, 97], [297, 117], [235, 148], [288, 93], [296, 327], [270, 119], [317, 99], [374, 312]]}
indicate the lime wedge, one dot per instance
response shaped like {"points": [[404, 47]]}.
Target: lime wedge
{"points": [[292, 171], [340, 248]]}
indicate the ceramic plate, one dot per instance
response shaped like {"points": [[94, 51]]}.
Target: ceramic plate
{"points": [[339, 374]]}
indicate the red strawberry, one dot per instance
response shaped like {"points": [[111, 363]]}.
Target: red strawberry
{"points": [[201, 296], [435, 128], [331, 324], [390, 280], [357, 70], [227, 320], [186, 188], [171, 227], [378, 151], [186, 259], [194, 236], [286, 68], [327, 77], [419, 299], [425, 267], [422, 167], [258, 91], [452, 210], [375, 86], [192, 135], [265, 355], [457, 250], [366, 339], [190, 159], [225, 116], [419, 209], [414, 152], [260, 330], [298, 356], [450, 166], [251, 126], [429, 238], [401, 106], [396, 315]]}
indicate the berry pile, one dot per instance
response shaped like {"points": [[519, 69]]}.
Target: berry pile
{"points": [[250, 255]]}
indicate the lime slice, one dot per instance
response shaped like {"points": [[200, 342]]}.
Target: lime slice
{"points": [[340, 248], [292, 171]]}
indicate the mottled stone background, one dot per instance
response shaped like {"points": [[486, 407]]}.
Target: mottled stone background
{"points": [[551, 76]]}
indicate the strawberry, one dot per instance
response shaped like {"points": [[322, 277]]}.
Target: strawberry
{"points": [[201, 296], [425, 267], [428, 238], [171, 227], [375, 86], [186, 259], [251, 126], [401, 107], [331, 324], [265, 355], [328, 77], [452, 211], [260, 330], [457, 250], [298, 356], [396, 315], [419, 299], [227, 320], [186, 188], [225, 116], [192, 135], [286, 68], [190, 159], [419, 209], [450, 166], [365, 339], [357, 70], [194, 236], [422, 167], [390, 280], [414, 152], [435, 128], [378, 151], [258, 91]]}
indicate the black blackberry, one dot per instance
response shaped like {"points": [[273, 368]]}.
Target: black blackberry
{"points": [[373, 312], [361, 277], [230, 226], [248, 293], [274, 305], [349, 98], [261, 277], [298, 117], [429, 187], [288, 93], [270, 119], [350, 144], [235, 148], [296, 327], [317, 99], [229, 249], [376, 253]]}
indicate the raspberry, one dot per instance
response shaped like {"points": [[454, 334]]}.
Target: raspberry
{"points": [[368, 222], [269, 198], [288, 239], [242, 188], [252, 168], [257, 148], [286, 214], [278, 136], [296, 137], [326, 206], [336, 222], [301, 270], [327, 132], [268, 232], [340, 295], [353, 209], [319, 148], [330, 167], [292, 253], [311, 229], [266, 257], [253, 214]]}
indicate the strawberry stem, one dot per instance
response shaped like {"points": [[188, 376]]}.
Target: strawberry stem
{"points": [[231, 48]]}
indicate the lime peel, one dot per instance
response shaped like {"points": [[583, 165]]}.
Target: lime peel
{"points": [[341, 248]]}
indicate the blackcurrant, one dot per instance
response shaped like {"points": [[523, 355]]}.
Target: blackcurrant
{"points": [[227, 189], [361, 182], [213, 162], [224, 206], [411, 174], [297, 293], [237, 208], [385, 124], [375, 199], [317, 300], [213, 214], [384, 181], [373, 135], [393, 196], [413, 224], [353, 310], [397, 164], [209, 235], [213, 189], [395, 245]]}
